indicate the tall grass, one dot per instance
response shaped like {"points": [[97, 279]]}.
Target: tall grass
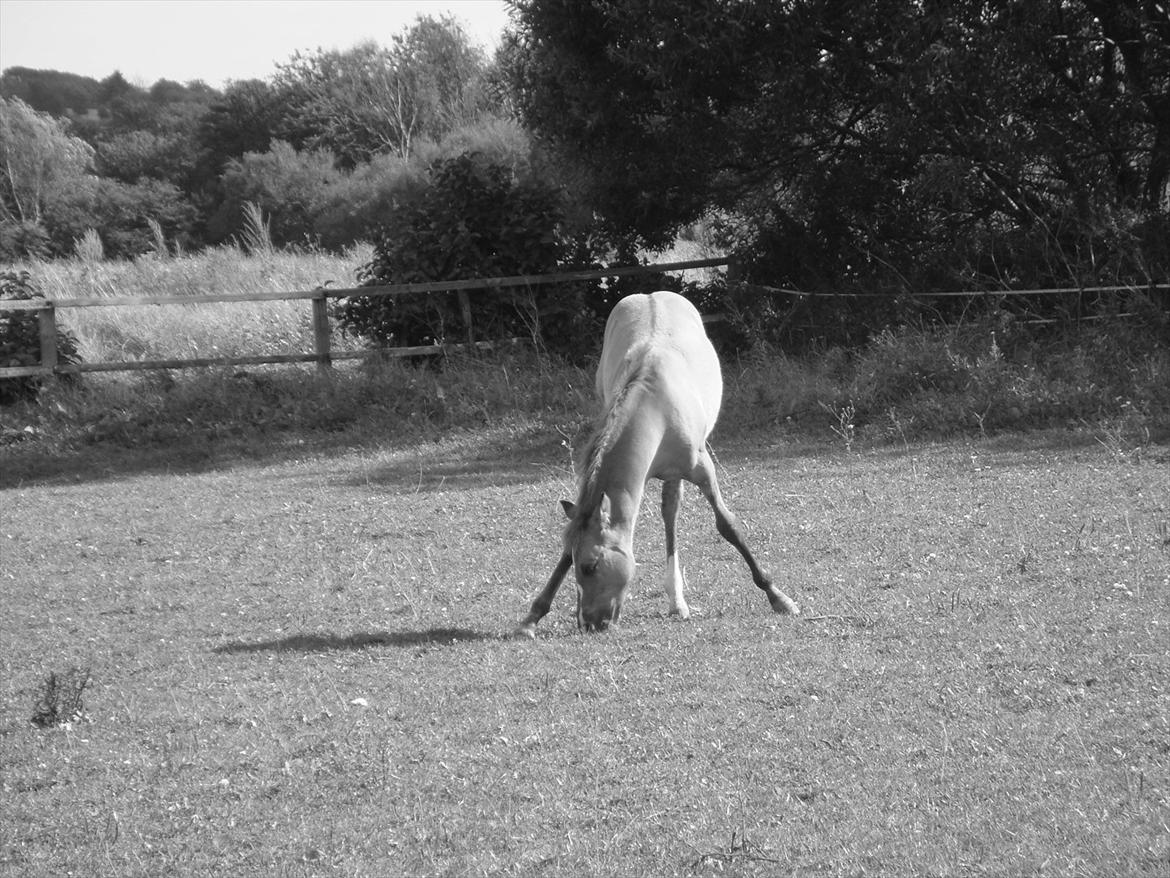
{"points": [[197, 330]]}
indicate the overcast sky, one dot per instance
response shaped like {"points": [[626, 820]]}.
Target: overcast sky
{"points": [[212, 40]]}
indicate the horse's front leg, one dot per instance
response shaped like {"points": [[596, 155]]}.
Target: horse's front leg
{"points": [[729, 529], [673, 581], [544, 599]]}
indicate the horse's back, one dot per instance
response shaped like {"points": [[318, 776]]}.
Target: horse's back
{"points": [[661, 338]]}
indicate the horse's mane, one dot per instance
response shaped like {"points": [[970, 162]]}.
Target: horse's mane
{"points": [[605, 432]]}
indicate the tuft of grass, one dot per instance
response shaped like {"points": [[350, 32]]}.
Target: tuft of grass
{"points": [[59, 701], [88, 249], [256, 236]]}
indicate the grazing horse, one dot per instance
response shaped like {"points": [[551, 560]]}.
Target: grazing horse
{"points": [[660, 387]]}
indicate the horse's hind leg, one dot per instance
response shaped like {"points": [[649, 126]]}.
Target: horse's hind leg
{"points": [[729, 529], [544, 599], [673, 581]]}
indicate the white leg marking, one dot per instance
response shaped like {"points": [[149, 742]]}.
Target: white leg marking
{"points": [[674, 583]]}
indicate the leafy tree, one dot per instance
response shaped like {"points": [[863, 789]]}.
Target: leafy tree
{"points": [[373, 99], [39, 161], [245, 118], [49, 91], [363, 200], [893, 145], [133, 155], [289, 185], [120, 212]]}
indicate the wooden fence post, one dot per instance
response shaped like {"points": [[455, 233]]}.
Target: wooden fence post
{"points": [[47, 318], [321, 333], [734, 271], [465, 305]]}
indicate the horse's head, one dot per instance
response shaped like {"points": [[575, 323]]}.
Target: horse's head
{"points": [[602, 565]]}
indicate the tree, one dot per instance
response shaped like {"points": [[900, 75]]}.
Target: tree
{"points": [[120, 212], [39, 161], [371, 99], [288, 185], [891, 145], [49, 91], [245, 118]]}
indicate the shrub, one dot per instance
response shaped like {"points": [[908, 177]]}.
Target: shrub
{"points": [[21, 239], [121, 212], [475, 219], [354, 208], [20, 339], [289, 185]]}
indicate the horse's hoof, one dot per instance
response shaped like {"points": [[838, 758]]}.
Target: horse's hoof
{"points": [[783, 605], [525, 631]]}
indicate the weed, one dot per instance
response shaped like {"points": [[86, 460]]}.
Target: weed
{"points": [[59, 699], [845, 429], [88, 248], [256, 237]]}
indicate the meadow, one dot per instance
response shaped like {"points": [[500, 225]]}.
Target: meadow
{"points": [[302, 667], [256, 622]]}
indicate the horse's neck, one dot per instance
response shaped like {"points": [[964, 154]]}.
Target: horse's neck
{"points": [[625, 466]]}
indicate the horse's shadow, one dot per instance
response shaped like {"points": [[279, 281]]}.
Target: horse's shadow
{"points": [[361, 640]]}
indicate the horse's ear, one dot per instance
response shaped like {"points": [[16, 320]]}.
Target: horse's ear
{"points": [[570, 509]]}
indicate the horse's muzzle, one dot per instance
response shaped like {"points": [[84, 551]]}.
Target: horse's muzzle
{"points": [[601, 618]]}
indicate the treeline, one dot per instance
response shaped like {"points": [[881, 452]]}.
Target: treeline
{"points": [[323, 147], [889, 147]]}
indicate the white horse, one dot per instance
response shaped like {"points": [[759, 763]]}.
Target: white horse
{"points": [[661, 388]]}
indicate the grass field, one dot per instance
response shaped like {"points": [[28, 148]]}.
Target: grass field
{"points": [[299, 666]]}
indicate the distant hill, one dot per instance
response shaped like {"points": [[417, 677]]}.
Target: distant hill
{"points": [[51, 91], [70, 94]]}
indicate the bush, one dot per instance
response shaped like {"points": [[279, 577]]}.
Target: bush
{"points": [[289, 186], [20, 239], [122, 212], [20, 339], [359, 203], [475, 219]]}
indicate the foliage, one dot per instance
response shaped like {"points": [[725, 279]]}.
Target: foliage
{"points": [[20, 339], [121, 213], [288, 185], [20, 239], [359, 204], [371, 99], [977, 378], [246, 118], [474, 219], [133, 155], [901, 147], [39, 162], [50, 91]]}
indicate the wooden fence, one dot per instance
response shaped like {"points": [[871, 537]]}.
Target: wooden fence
{"points": [[323, 356]]}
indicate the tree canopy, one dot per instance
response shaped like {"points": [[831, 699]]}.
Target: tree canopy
{"points": [[893, 144]]}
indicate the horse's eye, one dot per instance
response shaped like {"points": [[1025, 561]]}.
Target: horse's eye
{"points": [[588, 568]]}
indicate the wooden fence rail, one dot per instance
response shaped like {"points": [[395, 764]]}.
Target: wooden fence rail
{"points": [[322, 355]]}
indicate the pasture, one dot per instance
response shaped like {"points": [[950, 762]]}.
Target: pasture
{"points": [[300, 665]]}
